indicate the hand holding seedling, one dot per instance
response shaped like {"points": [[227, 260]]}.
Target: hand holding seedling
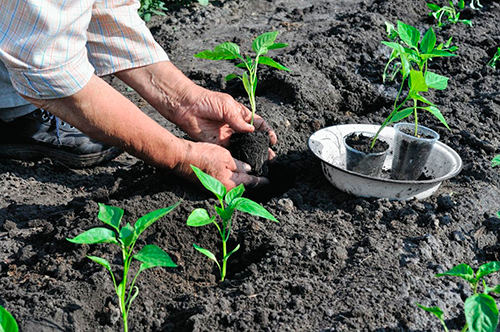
{"points": [[229, 203], [481, 312], [125, 237]]}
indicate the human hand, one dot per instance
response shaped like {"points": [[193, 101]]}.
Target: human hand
{"points": [[217, 162]]}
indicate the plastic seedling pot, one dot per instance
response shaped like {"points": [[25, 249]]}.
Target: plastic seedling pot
{"points": [[411, 152], [360, 158], [251, 148]]}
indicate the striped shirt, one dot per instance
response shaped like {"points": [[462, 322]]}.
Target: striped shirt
{"points": [[52, 48]]}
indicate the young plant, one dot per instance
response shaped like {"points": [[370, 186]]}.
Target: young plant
{"points": [[493, 62], [413, 54], [229, 202], [448, 14], [125, 237], [7, 322], [481, 312], [231, 51], [149, 8]]}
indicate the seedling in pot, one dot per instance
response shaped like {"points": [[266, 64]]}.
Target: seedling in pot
{"points": [[448, 14], [125, 237], [493, 62], [231, 51], [229, 203], [7, 322], [481, 312]]}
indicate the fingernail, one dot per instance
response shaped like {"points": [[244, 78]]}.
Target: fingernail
{"points": [[246, 167]]}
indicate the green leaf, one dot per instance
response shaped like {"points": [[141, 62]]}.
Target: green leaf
{"points": [[496, 161], [420, 98], [246, 205], [199, 217], [392, 45], [226, 213], [234, 193], [400, 115], [203, 2], [7, 322], [463, 271], [428, 42], [110, 215], [145, 221], [206, 253], [120, 290], [224, 51], [487, 268], [95, 235], [467, 22], [271, 63], [276, 46], [101, 261], [211, 183], [127, 235], [246, 84], [433, 7], [461, 4], [232, 252], [417, 81], [488, 289], [392, 33], [435, 111], [231, 77], [481, 313], [153, 256], [408, 34], [433, 310], [436, 81], [261, 44]]}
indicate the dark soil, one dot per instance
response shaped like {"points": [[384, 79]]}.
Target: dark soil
{"points": [[410, 132], [334, 262], [362, 143], [253, 149]]}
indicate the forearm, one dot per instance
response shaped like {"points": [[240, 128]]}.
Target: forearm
{"points": [[102, 113]]}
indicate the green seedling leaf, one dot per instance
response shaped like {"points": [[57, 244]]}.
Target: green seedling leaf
{"points": [[234, 193], [262, 43], [203, 2], [393, 45], [277, 46], [435, 111], [433, 7], [428, 41], [120, 290], [7, 322], [496, 161], [95, 235], [206, 253], [481, 313], [199, 217], [224, 51], [408, 34], [232, 252], [246, 84], [145, 221], [463, 271], [401, 115], [153, 256], [110, 215], [436, 81], [101, 261], [211, 183], [226, 213], [461, 4], [433, 310], [246, 205], [127, 235], [420, 98], [467, 22], [417, 81], [271, 63], [392, 33], [231, 77], [486, 269]]}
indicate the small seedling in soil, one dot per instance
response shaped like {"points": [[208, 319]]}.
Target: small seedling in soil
{"points": [[231, 51], [481, 312], [413, 54], [229, 202], [7, 322], [493, 62], [125, 237], [448, 14]]}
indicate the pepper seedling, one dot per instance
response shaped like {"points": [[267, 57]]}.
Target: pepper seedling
{"points": [[493, 62], [231, 51], [481, 312], [7, 322], [125, 237], [229, 202], [414, 54], [448, 14]]}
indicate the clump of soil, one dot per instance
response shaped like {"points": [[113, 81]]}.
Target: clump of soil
{"points": [[251, 148], [362, 143]]}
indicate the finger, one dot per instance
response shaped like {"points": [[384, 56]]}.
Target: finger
{"points": [[242, 167], [249, 181], [271, 155], [261, 125], [238, 119]]}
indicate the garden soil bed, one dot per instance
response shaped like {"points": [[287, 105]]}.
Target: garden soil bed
{"points": [[334, 262]]}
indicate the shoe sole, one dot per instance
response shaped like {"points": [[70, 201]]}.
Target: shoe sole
{"points": [[24, 152]]}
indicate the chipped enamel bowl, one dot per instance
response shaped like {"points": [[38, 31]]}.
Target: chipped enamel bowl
{"points": [[326, 144]]}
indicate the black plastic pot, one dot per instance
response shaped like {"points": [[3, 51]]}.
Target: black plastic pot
{"points": [[360, 158], [251, 148], [411, 152]]}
